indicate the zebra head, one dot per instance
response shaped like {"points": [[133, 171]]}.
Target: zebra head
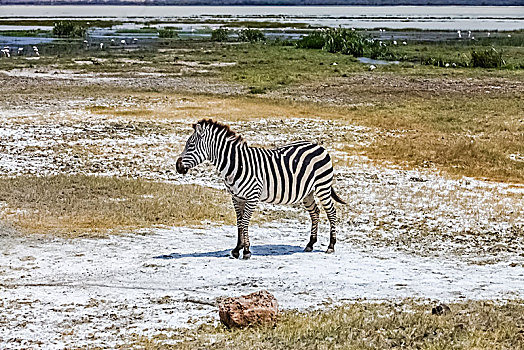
{"points": [[196, 150]]}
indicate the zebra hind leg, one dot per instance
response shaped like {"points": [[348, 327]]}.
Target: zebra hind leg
{"points": [[325, 199], [314, 213]]}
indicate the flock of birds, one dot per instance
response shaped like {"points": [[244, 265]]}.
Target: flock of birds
{"points": [[7, 51]]}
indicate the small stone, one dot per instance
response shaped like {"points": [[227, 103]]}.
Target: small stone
{"points": [[259, 308], [441, 309]]}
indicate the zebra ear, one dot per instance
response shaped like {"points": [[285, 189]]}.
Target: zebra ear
{"points": [[198, 128]]}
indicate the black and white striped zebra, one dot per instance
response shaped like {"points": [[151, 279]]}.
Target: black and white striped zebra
{"points": [[299, 171]]}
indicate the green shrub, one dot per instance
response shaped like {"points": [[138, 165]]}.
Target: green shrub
{"points": [[314, 40], [68, 29], [167, 34], [489, 58], [251, 35], [220, 34], [345, 41]]}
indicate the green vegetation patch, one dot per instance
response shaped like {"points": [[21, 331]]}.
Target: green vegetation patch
{"points": [[167, 34], [345, 41], [251, 35], [68, 29], [26, 33], [404, 325]]}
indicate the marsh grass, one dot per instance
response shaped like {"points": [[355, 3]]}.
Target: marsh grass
{"points": [[80, 205], [408, 325]]}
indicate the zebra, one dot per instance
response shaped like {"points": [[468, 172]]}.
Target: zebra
{"points": [[287, 174]]}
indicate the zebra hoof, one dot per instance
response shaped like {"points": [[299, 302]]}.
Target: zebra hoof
{"points": [[330, 251], [308, 249], [246, 256], [235, 254]]}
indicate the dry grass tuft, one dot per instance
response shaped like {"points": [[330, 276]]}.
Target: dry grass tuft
{"points": [[406, 325], [79, 205]]}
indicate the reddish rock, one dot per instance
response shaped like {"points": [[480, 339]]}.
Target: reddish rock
{"points": [[259, 308]]}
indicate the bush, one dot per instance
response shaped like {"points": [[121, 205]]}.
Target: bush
{"points": [[489, 58], [251, 35], [344, 41], [68, 29], [167, 34], [220, 34], [314, 40]]}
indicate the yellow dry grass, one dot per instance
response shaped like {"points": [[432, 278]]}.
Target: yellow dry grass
{"points": [[79, 205]]}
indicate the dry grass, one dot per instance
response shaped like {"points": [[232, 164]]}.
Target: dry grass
{"points": [[473, 136], [87, 205], [406, 325]]}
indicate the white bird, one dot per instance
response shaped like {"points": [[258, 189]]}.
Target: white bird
{"points": [[101, 46], [380, 43], [112, 40], [135, 40], [509, 35], [469, 33], [372, 67], [404, 43], [35, 50], [123, 42], [20, 51], [446, 65], [394, 42], [459, 34], [489, 34], [335, 64]]}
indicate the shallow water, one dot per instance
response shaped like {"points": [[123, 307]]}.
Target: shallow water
{"points": [[23, 40], [422, 17]]}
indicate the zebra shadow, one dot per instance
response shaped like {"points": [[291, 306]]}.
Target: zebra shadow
{"points": [[258, 250]]}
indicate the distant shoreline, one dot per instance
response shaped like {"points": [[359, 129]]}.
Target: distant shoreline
{"points": [[265, 3]]}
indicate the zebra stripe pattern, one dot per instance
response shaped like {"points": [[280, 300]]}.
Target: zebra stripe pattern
{"points": [[297, 172]]}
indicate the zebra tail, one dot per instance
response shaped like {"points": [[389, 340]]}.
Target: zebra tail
{"points": [[336, 197]]}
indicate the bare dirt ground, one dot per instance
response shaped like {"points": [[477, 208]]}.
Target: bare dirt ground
{"points": [[72, 293], [404, 233]]}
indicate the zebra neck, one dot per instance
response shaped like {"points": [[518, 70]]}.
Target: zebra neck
{"points": [[227, 156]]}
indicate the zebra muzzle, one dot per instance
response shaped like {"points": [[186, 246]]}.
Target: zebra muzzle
{"points": [[179, 167]]}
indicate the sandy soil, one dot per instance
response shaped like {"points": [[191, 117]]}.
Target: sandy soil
{"points": [[58, 293]]}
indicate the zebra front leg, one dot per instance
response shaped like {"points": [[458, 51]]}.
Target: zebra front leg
{"points": [[329, 207], [239, 205], [248, 211], [314, 213]]}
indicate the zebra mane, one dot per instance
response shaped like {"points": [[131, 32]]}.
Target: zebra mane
{"points": [[219, 126]]}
